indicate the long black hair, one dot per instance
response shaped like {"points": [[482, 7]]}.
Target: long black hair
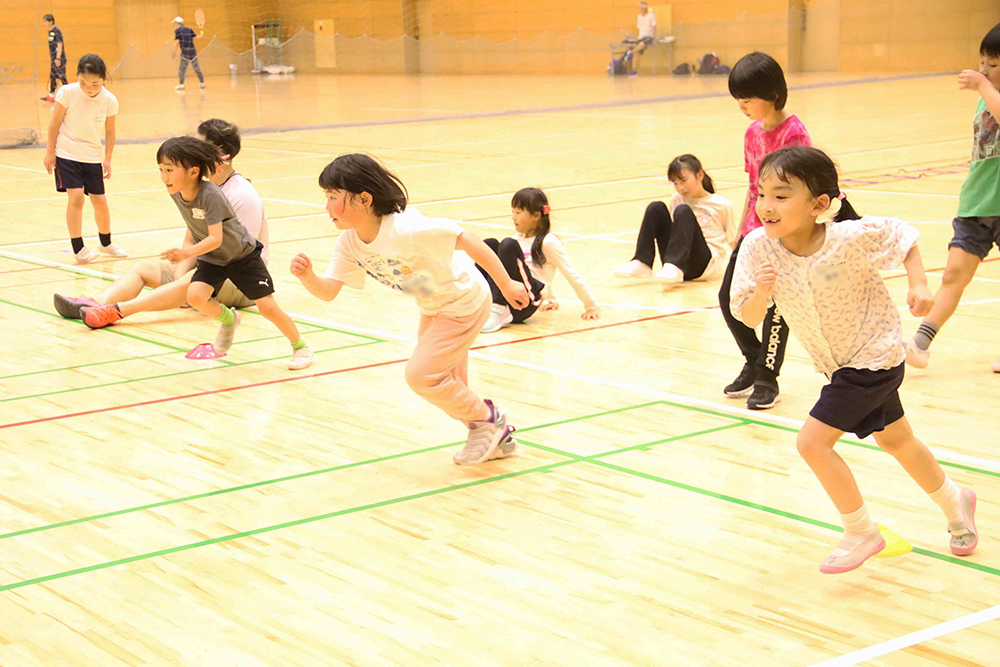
{"points": [[533, 200], [814, 168], [356, 173], [692, 164], [92, 64], [190, 152]]}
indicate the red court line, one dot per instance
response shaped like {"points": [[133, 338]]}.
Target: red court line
{"points": [[323, 374]]}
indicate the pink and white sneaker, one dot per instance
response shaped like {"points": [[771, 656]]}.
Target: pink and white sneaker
{"points": [[850, 556], [964, 538]]}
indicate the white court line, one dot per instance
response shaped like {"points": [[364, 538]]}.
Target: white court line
{"points": [[37, 171], [60, 265], [918, 637], [853, 192], [117, 235]]}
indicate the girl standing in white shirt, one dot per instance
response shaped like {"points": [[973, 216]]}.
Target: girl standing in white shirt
{"points": [[83, 116], [533, 256], [694, 234], [406, 251], [825, 280]]}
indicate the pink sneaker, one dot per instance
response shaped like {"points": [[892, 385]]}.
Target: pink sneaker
{"points": [[964, 542], [100, 316], [69, 307], [845, 559]]}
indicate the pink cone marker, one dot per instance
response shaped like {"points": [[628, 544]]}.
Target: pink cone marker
{"points": [[204, 351]]}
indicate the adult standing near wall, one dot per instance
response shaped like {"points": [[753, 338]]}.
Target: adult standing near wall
{"points": [[184, 40], [646, 23], [57, 54]]}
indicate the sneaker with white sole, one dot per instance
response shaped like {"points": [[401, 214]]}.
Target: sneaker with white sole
{"points": [[914, 355], [69, 307], [507, 447], [848, 556], [301, 358], [634, 269], [179, 86], [113, 250], [964, 536], [670, 274], [500, 316], [765, 395], [743, 384], [202, 85], [484, 438], [224, 337], [86, 256]]}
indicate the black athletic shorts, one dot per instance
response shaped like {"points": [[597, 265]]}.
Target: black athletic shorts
{"points": [[249, 274], [72, 174], [860, 401]]}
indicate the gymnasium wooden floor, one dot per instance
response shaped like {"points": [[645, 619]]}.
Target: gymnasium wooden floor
{"points": [[162, 511]]}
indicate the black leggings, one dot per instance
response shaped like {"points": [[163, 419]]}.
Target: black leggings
{"points": [[509, 251], [680, 240], [57, 74], [767, 358]]}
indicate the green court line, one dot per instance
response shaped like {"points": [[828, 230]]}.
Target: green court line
{"points": [[231, 364], [110, 279], [305, 474], [570, 459]]}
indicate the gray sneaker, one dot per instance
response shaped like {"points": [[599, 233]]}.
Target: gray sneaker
{"points": [[507, 446], [485, 438], [224, 338]]}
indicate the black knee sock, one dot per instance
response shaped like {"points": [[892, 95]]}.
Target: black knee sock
{"points": [[105, 239], [77, 244]]}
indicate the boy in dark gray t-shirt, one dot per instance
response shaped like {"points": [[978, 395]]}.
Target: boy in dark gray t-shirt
{"points": [[223, 246]]}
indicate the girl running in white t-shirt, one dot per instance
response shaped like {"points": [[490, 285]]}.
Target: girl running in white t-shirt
{"points": [[824, 278], [406, 251], [694, 234], [83, 116]]}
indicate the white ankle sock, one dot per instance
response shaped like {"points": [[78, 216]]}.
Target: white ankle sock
{"points": [[949, 499], [857, 526]]}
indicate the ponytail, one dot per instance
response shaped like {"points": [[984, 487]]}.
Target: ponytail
{"points": [[692, 164], [815, 169], [846, 211]]}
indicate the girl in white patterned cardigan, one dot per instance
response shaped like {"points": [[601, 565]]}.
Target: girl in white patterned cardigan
{"points": [[825, 280]]}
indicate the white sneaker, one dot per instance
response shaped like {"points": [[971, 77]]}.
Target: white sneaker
{"points": [[179, 86], [634, 269], [670, 274], [919, 358], [225, 335], [301, 359], [113, 250], [86, 256], [201, 85], [485, 438], [500, 316]]}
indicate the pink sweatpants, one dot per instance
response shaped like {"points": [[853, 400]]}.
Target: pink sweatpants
{"points": [[438, 371]]}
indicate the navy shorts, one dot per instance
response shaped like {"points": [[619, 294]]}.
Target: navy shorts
{"points": [[249, 274], [71, 174], [860, 401], [976, 236]]}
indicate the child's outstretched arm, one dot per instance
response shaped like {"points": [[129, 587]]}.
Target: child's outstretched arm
{"points": [[512, 290], [326, 289], [919, 297], [970, 79]]}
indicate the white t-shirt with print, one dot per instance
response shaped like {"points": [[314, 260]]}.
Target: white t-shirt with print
{"points": [[555, 258], [835, 300], [249, 208], [646, 25], [81, 135], [416, 255], [716, 219]]}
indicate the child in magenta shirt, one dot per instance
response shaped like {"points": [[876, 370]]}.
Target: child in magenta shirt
{"points": [[758, 84]]}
